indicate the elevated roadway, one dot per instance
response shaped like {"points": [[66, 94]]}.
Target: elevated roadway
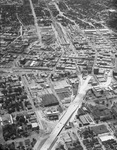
{"points": [[76, 104]]}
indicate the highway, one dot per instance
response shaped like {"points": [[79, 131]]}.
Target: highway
{"points": [[76, 104], [36, 22], [57, 26]]}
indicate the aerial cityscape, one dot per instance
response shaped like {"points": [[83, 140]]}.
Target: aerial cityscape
{"points": [[58, 74]]}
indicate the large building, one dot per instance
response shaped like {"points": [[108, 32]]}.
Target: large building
{"points": [[115, 68]]}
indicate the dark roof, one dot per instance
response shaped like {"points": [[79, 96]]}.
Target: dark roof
{"points": [[49, 100]]}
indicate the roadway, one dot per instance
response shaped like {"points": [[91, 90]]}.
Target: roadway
{"points": [[25, 83], [83, 34], [35, 21], [57, 26], [76, 104]]}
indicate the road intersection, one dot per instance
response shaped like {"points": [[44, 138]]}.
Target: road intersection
{"points": [[75, 105]]}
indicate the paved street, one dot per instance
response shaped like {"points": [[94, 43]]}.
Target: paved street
{"points": [[76, 104], [65, 48], [36, 22]]}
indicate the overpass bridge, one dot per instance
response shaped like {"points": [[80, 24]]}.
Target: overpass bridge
{"points": [[76, 104]]}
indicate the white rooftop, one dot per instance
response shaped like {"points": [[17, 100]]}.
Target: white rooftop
{"points": [[106, 138]]}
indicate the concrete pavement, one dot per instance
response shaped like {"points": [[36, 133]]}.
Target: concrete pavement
{"points": [[76, 104], [36, 22]]}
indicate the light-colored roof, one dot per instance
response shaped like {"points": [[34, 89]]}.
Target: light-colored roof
{"points": [[35, 124], [106, 137]]}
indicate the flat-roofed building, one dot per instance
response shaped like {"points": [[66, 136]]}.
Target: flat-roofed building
{"points": [[115, 68], [49, 100]]}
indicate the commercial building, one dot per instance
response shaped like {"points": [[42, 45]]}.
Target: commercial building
{"points": [[115, 69]]}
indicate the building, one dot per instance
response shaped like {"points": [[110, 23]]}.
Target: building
{"points": [[115, 68], [49, 100], [96, 71]]}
